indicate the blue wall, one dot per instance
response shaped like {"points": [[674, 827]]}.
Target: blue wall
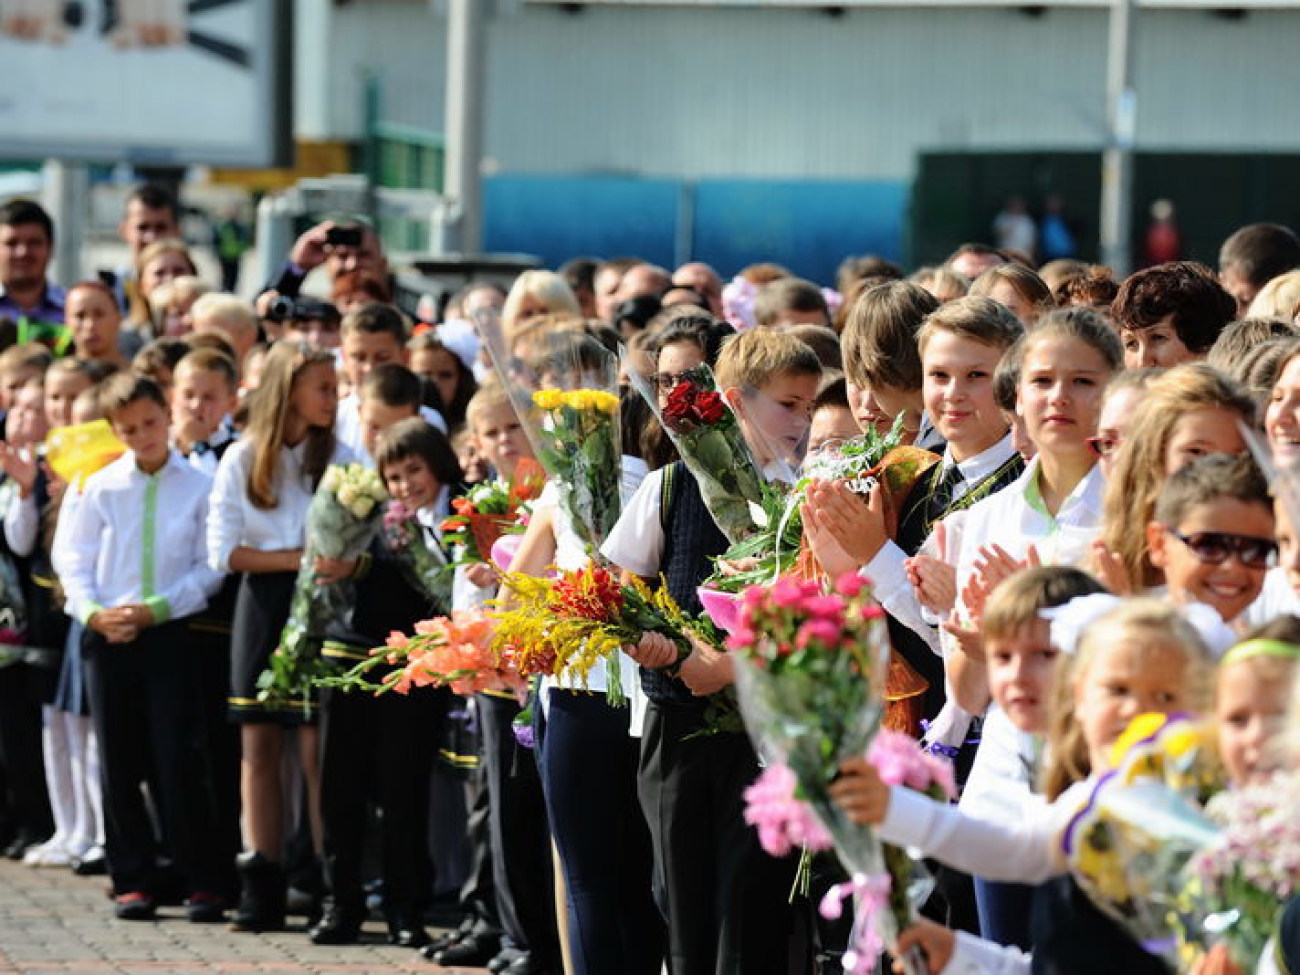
{"points": [[808, 226]]}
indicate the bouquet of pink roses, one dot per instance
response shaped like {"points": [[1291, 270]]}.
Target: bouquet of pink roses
{"points": [[810, 674]]}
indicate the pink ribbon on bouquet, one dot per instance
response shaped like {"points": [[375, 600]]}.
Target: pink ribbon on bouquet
{"points": [[871, 893]]}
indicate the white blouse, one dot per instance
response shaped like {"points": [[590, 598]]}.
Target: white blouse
{"points": [[233, 521]]}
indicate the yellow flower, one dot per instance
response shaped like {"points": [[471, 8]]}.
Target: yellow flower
{"points": [[603, 401], [548, 399]]}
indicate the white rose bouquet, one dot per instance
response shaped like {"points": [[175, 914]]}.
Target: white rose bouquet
{"points": [[344, 517]]}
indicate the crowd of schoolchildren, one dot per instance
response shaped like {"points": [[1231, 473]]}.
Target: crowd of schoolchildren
{"points": [[1095, 437]]}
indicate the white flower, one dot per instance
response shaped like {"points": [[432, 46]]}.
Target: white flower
{"points": [[757, 514], [330, 481], [362, 506], [347, 495]]}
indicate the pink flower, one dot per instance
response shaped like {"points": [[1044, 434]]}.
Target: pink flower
{"points": [[850, 584], [818, 630], [900, 761], [787, 593], [395, 515], [827, 607], [783, 822]]}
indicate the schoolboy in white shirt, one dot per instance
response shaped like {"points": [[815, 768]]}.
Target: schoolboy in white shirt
{"points": [[135, 565]]}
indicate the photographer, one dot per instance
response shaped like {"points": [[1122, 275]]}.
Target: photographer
{"points": [[343, 246]]}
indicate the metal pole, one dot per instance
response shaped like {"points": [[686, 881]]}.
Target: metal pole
{"points": [[463, 219], [67, 200], [1121, 127]]}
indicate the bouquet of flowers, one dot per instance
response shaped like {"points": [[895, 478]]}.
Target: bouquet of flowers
{"points": [[1130, 845], [565, 401], [452, 651], [776, 546], [492, 509], [581, 448], [709, 439], [1245, 877], [567, 623], [342, 521], [404, 536], [810, 672]]}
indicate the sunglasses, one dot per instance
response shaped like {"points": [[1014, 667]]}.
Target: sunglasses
{"points": [[1102, 446], [668, 381], [1213, 548]]}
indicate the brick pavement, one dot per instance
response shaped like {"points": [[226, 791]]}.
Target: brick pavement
{"points": [[54, 921]]}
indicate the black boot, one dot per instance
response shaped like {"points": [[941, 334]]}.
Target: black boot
{"points": [[406, 929], [261, 902], [339, 925]]}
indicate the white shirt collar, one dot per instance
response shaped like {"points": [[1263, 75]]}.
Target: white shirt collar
{"points": [[975, 469]]}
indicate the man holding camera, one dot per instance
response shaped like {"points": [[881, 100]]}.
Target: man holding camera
{"points": [[343, 247]]}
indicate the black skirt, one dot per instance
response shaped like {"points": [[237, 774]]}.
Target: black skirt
{"points": [[261, 609]]}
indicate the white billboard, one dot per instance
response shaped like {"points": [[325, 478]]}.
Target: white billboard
{"points": [[152, 82], [831, 4]]}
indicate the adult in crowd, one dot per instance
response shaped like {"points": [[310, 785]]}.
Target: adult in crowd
{"points": [[28, 298], [1253, 256]]}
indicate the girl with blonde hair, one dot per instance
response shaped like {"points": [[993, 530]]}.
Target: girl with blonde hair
{"points": [[1190, 411]]}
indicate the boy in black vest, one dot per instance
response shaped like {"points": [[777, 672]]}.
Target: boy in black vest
{"points": [[725, 900]]}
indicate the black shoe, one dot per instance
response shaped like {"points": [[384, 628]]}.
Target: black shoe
{"points": [[471, 952], [527, 965], [338, 926], [134, 906], [93, 864], [443, 941], [261, 902], [407, 933], [204, 908], [505, 958]]}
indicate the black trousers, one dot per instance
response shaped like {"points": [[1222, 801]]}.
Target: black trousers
{"points": [[588, 765], [378, 749], [148, 719], [220, 745], [727, 902], [522, 871], [21, 753]]}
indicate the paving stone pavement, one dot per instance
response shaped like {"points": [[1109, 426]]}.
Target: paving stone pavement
{"points": [[55, 921]]}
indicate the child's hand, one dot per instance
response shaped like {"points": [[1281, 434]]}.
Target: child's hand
{"points": [[860, 792], [935, 583], [969, 641], [826, 549], [652, 651], [858, 527], [1216, 962], [935, 940], [482, 574], [994, 566], [736, 566], [114, 625], [21, 465], [330, 571], [707, 670], [1111, 569]]}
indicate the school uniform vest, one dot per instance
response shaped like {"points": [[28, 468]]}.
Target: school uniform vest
{"points": [[925, 506], [691, 542]]}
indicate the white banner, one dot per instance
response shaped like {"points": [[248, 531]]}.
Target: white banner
{"points": [[168, 82]]}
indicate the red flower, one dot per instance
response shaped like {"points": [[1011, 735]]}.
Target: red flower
{"points": [[451, 525], [462, 506], [592, 594], [709, 407]]}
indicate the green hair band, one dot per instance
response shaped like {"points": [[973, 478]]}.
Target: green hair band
{"points": [[1262, 648]]}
